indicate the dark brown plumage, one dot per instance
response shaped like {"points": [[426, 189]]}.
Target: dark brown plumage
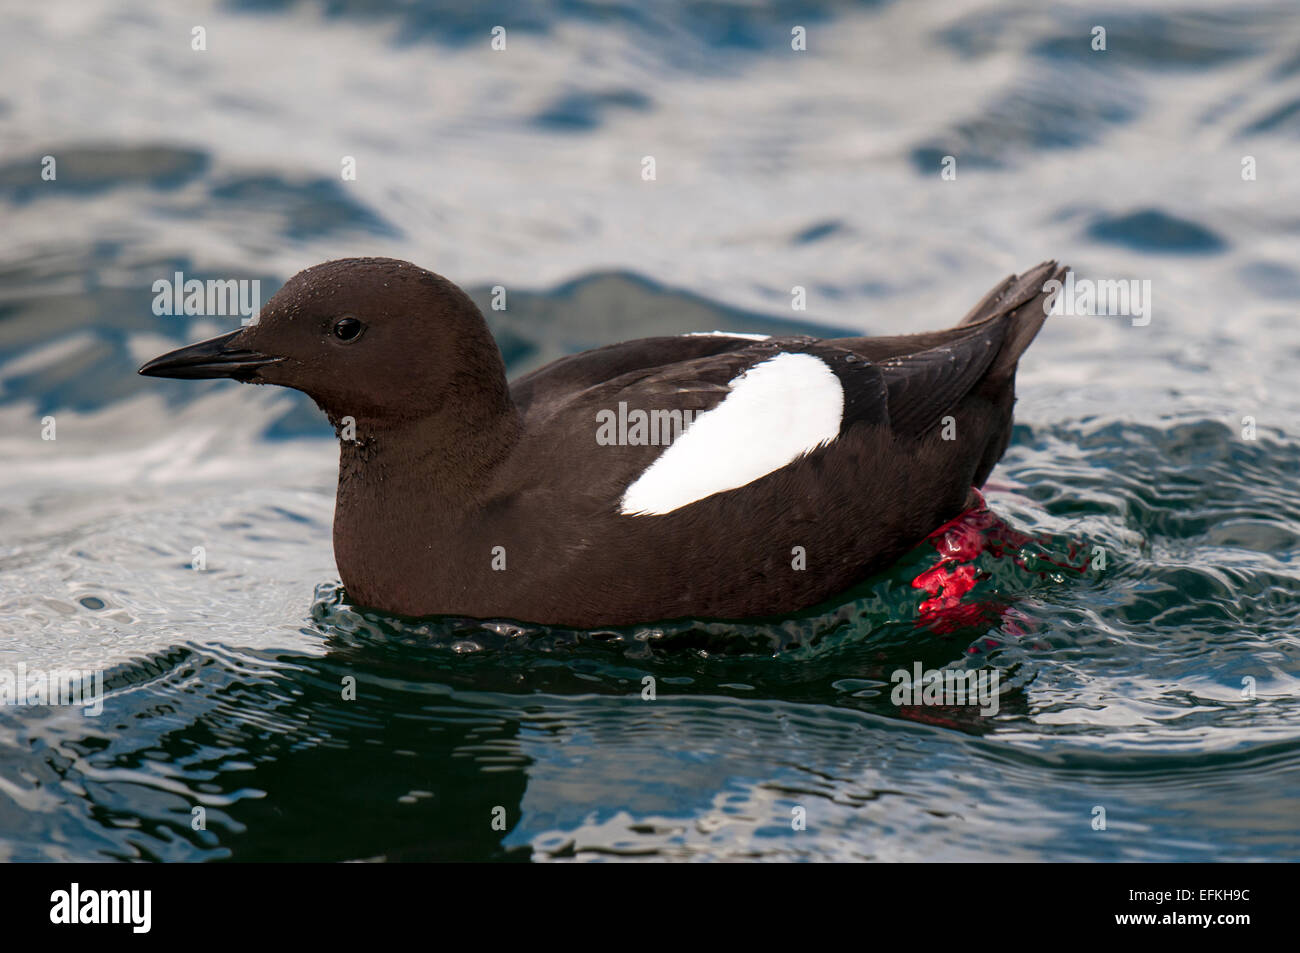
{"points": [[450, 462]]}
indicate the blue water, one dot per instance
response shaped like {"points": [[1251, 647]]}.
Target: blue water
{"points": [[1161, 687]]}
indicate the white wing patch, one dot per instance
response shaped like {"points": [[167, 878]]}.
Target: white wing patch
{"points": [[727, 334], [776, 412]]}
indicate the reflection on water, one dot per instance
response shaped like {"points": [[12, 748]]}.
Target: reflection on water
{"points": [[1133, 582]]}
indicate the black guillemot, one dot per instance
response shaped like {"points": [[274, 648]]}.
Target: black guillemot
{"points": [[712, 475]]}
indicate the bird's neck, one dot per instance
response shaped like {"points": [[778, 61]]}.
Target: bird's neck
{"points": [[408, 497], [448, 458]]}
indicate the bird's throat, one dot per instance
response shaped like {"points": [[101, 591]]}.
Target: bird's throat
{"points": [[413, 495]]}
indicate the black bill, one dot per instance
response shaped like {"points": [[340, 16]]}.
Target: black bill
{"points": [[215, 357]]}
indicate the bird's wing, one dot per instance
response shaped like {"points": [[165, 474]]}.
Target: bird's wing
{"points": [[926, 385], [747, 408], [673, 434], [557, 382]]}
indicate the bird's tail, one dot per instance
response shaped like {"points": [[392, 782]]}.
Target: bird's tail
{"points": [[1023, 301]]}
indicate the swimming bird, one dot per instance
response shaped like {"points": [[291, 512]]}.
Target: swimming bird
{"points": [[573, 496]]}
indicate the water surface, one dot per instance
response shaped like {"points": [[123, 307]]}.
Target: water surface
{"points": [[1162, 687]]}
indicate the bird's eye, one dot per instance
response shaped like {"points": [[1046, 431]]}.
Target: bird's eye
{"points": [[348, 329]]}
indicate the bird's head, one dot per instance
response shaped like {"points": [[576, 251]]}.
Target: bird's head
{"points": [[376, 339]]}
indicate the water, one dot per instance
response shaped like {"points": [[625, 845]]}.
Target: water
{"points": [[1162, 688]]}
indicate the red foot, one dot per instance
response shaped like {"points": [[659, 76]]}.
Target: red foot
{"points": [[959, 542]]}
